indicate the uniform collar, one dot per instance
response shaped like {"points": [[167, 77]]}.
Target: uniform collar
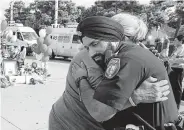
{"points": [[124, 45]]}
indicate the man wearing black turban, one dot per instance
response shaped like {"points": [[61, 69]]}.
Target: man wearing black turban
{"points": [[76, 109], [124, 74], [99, 27]]}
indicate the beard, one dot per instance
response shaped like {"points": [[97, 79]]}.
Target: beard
{"points": [[103, 59], [99, 59]]}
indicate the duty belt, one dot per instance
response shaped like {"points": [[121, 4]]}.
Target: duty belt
{"points": [[179, 125]]}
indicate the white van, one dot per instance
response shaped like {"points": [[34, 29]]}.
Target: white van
{"points": [[26, 34], [65, 42]]}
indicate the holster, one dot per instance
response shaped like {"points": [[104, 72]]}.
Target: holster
{"points": [[179, 125]]}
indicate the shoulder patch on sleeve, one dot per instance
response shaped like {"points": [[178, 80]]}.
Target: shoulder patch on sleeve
{"points": [[112, 68]]}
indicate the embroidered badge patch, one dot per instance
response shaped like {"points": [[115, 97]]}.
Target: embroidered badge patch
{"points": [[112, 68]]}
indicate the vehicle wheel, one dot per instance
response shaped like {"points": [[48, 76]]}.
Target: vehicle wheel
{"points": [[53, 55]]}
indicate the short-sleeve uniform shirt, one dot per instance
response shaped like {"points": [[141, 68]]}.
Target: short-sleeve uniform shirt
{"points": [[136, 65]]}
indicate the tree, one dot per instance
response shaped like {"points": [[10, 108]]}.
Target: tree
{"points": [[156, 13], [42, 13], [18, 9], [180, 14], [167, 12], [110, 8]]}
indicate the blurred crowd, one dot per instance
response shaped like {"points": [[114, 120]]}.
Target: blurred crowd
{"points": [[172, 54]]}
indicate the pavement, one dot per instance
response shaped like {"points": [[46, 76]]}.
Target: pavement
{"points": [[27, 107]]}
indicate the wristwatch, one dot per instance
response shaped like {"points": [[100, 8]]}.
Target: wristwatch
{"points": [[132, 102]]}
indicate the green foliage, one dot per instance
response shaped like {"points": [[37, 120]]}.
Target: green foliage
{"points": [[42, 13], [18, 9], [180, 9], [156, 13], [110, 8]]}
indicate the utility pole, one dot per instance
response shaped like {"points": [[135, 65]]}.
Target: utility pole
{"points": [[116, 7], [11, 10], [56, 13]]}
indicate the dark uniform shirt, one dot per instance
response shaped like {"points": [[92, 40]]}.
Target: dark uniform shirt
{"points": [[136, 65]]}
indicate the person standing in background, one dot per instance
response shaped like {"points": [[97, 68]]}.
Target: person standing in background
{"points": [[165, 50], [21, 56], [177, 63]]}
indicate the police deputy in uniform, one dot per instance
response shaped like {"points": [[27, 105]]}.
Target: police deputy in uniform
{"points": [[76, 109], [124, 73]]}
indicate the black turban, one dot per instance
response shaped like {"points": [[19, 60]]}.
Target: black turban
{"points": [[101, 27]]}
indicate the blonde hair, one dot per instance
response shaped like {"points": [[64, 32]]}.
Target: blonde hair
{"points": [[134, 27]]}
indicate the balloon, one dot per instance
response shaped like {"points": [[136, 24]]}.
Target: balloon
{"points": [[49, 30], [47, 41], [4, 24], [42, 33], [8, 38], [40, 40], [45, 58], [48, 52], [14, 38], [5, 34], [39, 56], [37, 50], [34, 65], [43, 48], [10, 33], [34, 46]]}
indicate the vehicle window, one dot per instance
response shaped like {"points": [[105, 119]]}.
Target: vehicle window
{"points": [[19, 36], [64, 39], [60, 38], [29, 36], [75, 39]]}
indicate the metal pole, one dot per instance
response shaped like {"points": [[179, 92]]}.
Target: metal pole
{"points": [[11, 10], [116, 8], [56, 12]]}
